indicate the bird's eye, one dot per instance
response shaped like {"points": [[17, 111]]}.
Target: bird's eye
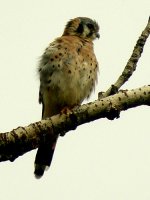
{"points": [[90, 26]]}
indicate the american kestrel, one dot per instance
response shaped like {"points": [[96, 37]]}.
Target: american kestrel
{"points": [[68, 73]]}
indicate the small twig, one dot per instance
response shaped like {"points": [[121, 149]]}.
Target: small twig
{"points": [[131, 64]]}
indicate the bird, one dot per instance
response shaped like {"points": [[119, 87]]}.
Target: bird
{"points": [[68, 72]]}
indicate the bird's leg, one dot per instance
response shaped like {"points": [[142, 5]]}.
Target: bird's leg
{"points": [[68, 109]]}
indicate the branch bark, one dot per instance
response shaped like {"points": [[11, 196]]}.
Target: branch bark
{"points": [[131, 64], [24, 139], [109, 105]]}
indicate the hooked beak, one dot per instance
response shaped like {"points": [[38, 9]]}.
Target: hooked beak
{"points": [[98, 35]]}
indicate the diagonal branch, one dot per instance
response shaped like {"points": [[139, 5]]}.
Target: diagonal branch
{"points": [[24, 139], [131, 64]]}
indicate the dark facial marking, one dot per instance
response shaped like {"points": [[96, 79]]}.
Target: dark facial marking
{"points": [[80, 28], [90, 26]]}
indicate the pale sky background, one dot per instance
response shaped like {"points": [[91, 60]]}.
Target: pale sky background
{"points": [[108, 160]]}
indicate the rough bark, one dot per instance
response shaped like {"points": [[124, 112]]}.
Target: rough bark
{"points": [[131, 64]]}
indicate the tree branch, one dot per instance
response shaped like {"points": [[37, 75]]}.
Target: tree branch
{"points": [[131, 64], [24, 139]]}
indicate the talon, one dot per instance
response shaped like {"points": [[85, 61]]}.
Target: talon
{"points": [[66, 110]]}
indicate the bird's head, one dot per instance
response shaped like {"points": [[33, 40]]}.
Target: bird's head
{"points": [[82, 27]]}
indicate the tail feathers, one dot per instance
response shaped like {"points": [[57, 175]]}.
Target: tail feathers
{"points": [[43, 159], [39, 170]]}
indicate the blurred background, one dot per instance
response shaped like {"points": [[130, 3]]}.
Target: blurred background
{"points": [[106, 160]]}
